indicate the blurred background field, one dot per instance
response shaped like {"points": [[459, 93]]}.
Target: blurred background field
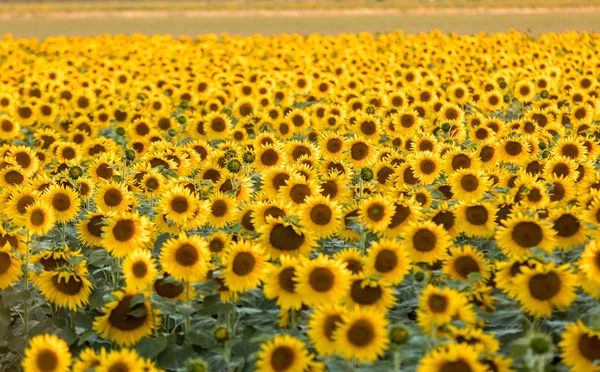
{"points": [[27, 18]]}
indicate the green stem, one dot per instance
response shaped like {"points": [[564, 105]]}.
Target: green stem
{"points": [[54, 310], [397, 360], [26, 302], [188, 322], [293, 320], [541, 367], [63, 233], [152, 313], [72, 319]]}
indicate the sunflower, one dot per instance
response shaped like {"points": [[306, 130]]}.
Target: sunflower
{"points": [[425, 166], [476, 219], [221, 209], [88, 359], [324, 321], [139, 269], [452, 357], [570, 230], [334, 186], [279, 237], [521, 233], [589, 267], [506, 271], [561, 166], [269, 156], [320, 215], [218, 243], [513, 150], [217, 126], [124, 360], [322, 280], [178, 205], [9, 128], [469, 185], [366, 292], [64, 202], [89, 229], [406, 211], [25, 158], [124, 232], [185, 258], [280, 283], [360, 152], [362, 335], [580, 347], [524, 91], [64, 288], [12, 176], [476, 338], [464, 261], [10, 267], [437, 306], [297, 190], [123, 322], [244, 265], [376, 213], [19, 200], [39, 219], [282, 354], [47, 353], [389, 260], [543, 287], [426, 242]]}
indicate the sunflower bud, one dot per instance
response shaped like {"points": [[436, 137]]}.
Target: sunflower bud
{"points": [[172, 132], [234, 166], [370, 110], [248, 157], [221, 334], [399, 334], [544, 94], [540, 344], [196, 365], [506, 98], [181, 119], [120, 131], [75, 172], [420, 276], [129, 155], [230, 154], [446, 127], [366, 174], [502, 84], [184, 104]]}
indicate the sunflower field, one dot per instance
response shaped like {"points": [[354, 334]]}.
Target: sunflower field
{"points": [[361, 202]]}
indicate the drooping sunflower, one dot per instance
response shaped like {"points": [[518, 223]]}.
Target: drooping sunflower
{"points": [[64, 202], [580, 347], [542, 288], [476, 338], [139, 269], [469, 185], [279, 237], [452, 357], [281, 285], [65, 288], [89, 229], [282, 354], [185, 258], [464, 261], [47, 353], [362, 335], [244, 266], [39, 219], [506, 271], [426, 242], [125, 231], [322, 280], [476, 219], [10, 267], [376, 213], [324, 320], [124, 323], [320, 215], [520, 233], [389, 260]]}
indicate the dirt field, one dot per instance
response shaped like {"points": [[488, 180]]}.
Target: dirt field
{"points": [[330, 22]]}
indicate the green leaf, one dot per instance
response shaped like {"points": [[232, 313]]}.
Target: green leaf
{"points": [[151, 347], [86, 336]]}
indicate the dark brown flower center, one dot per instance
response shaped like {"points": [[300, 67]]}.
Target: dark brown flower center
{"points": [[218, 124], [5, 262], [366, 295], [299, 192], [376, 212], [320, 214], [113, 197], [513, 148], [25, 202], [566, 225], [286, 279], [282, 358], [330, 325], [361, 333], [166, 289], [285, 238], [186, 255], [527, 234], [139, 269], [401, 213], [334, 145], [437, 303], [219, 208], [321, 279], [14, 177], [589, 347], [458, 366], [269, 157], [38, 217], [359, 151], [243, 263], [128, 318], [469, 183], [47, 360], [69, 286], [477, 215], [386, 261], [180, 204], [461, 161], [543, 287], [124, 230], [424, 240], [465, 265], [427, 166], [94, 226]]}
